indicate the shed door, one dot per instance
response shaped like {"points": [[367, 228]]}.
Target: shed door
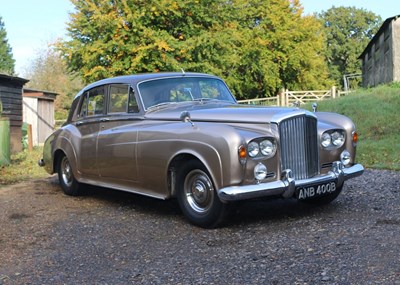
{"points": [[45, 120]]}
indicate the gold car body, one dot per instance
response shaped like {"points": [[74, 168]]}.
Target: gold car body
{"points": [[144, 128]]}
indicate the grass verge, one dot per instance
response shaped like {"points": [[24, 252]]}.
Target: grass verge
{"points": [[23, 166], [375, 113]]}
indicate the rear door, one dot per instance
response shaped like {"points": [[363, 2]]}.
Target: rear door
{"points": [[90, 116]]}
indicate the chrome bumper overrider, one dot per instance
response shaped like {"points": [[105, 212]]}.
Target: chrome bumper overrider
{"points": [[287, 185]]}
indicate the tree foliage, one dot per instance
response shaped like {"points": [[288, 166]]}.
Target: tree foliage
{"points": [[348, 31], [49, 72], [7, 62], [257, 46]]}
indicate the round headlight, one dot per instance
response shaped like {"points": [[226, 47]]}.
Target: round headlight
{"points": [[345, 157], [253, 149], [337, 138], [260, 171], [267, 148], [326, 140]]}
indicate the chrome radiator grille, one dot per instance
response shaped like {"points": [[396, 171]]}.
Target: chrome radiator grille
{"points": [[299, 146]]}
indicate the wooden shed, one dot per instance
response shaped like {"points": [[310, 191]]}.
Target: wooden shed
{"points": [[380, 59], [11, 98], [38, 111]]}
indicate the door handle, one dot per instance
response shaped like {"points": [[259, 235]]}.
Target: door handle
{"points": [[104, 120]]}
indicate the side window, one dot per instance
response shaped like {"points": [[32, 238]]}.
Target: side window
{"points": [[119, 94], [132, 104], [95, 101], [83, 111]]}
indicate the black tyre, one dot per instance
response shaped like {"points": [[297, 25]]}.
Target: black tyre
{"points": [[197, 196], [323, 200], [68, 183]]}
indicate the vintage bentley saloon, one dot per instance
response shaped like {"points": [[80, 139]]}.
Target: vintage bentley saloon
{"points": [[183, 135]]}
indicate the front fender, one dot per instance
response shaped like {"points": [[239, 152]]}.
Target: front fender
{"points": [[215, 145]]}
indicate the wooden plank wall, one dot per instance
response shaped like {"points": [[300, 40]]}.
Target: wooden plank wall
{"points": [[11, 97]]}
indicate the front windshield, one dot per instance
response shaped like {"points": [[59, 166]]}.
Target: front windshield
{"points": [[183, 89]]}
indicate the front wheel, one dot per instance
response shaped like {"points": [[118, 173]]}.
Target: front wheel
{"points": [[68, 183], [197, 196]]}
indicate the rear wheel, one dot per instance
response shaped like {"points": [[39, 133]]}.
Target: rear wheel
{"points": [[68, 183], [323, 200], [197, 196]]}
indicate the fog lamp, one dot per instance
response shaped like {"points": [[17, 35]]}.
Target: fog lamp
{"points": [[260, 171], [345, 157]]}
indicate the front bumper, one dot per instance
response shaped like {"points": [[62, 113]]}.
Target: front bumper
{"points": [[287, 185]]}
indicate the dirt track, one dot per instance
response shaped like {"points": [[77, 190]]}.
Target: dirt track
{"points": [[108, 237]]}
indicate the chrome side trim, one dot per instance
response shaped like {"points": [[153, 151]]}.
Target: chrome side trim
{"points": [[287, 185]]}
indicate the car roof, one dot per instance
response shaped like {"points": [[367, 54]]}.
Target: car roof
{"points": [[134, 79]]}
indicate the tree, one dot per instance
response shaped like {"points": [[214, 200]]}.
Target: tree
{"points": [[348, 31], [49, 72], [257, 46], [7, 62], [283, 49]]}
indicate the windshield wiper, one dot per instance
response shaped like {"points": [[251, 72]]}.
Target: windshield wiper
{"points": [[205, 99], [159, 105]]}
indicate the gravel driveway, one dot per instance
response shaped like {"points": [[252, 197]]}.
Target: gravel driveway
{"points": [[108, 237]]}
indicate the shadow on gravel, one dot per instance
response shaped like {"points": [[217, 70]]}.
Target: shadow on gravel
{"points": [[128, 200], [245, 212]]}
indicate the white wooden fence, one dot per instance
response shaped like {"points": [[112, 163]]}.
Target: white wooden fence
{"points": [[290, 98]]}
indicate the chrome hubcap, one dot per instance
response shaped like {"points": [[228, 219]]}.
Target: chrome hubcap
{"points": [[66, 172], [199, 191]]}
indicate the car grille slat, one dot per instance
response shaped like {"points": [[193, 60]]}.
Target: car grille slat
{"points": [[299, 146]]}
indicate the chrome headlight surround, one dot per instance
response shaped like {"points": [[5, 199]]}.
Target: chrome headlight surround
{"points": [[333, 138], [261, 148]]}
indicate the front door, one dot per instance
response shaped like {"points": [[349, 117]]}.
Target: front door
{"points": [[117, 139]]}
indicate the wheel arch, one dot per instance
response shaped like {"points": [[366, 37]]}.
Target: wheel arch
{"points": [[179, 159], [65, 147]]}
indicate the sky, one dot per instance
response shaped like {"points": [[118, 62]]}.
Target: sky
{"points": [[32, 25]]}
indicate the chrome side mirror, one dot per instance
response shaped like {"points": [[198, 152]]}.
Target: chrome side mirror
{"points": [[185, 117]]}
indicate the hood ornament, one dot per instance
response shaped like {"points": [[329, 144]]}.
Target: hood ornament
{"points": [[314, 107]]}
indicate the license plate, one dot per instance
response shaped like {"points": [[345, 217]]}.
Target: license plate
{"points": [[312, 191]]}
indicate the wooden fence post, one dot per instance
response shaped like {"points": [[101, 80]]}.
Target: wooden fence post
{"points": [[333, 92], [281, 98], [30, 139], [285, 98]]}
